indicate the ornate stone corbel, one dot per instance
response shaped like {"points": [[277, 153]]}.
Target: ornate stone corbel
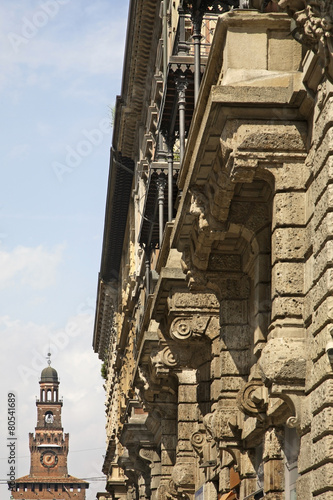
{"points": [[163, 360], [198, 441], [314, 28], [185, 328], [221, 424], [294, 402], [283, 367], [253, 399]]}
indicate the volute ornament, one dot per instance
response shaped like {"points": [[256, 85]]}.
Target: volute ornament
{"points": [[184, 328], [252, 398], [198, 440], [221, 424], [163, 360]]}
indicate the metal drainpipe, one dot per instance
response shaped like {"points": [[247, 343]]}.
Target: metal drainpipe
{"points": [[161, 182], [165, 39], [197, 22], [170, 179], [181, 85], [147, 270]]}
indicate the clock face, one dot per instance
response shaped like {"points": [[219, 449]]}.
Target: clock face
{"points": [[49, 418], [48, 459]]}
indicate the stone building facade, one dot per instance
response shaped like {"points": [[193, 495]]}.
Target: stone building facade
{"points": [[49, 478], [214, 308]]}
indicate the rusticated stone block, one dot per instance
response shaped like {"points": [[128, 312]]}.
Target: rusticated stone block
{"points": [[187, 394], [320, 369], [322, 450], [234, 362], [323, 259], [323, 178], [322, 395], [322, 423], [288, 278], [185, 431], [291, 176], [322, 315], [323, 478], [283, 359], [323, 231], [288, 209], [235, 337], [289, 243], [231, 383], [184, 445], [234, 288], [187, 412], [193, 301], [324, 117], [318, 155], [305, 461], [233, 312], [319, 342], [324, 204], [287, 306], [304, 486]]}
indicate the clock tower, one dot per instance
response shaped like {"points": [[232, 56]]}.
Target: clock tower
{"points": [[49, 478]]}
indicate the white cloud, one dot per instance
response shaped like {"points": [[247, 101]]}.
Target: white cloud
{"points": [[59, 49], [33, 267]]}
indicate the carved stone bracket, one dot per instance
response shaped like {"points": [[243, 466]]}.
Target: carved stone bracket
{"points": [[283, 368], [163, 360], [253, 398], [294, 399], [314, 28], [185, 328], [198, 441], [222, 423]]}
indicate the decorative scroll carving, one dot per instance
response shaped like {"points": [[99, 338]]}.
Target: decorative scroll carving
{"points": [[314, 21], [163, 360], [188, 328], [221, 424], [198, 441], [181, 329], [252, 399]]}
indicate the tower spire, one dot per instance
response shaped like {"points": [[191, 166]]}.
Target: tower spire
{"points": [[49, 358]]}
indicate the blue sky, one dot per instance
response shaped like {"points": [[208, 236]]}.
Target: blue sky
{"points": [[60, 71]]}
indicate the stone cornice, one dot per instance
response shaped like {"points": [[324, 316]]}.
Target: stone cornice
{"points": [[104, 318], [143, 14]]}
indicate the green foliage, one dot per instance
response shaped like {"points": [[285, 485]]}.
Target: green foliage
{"points": [[104, 370]]}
